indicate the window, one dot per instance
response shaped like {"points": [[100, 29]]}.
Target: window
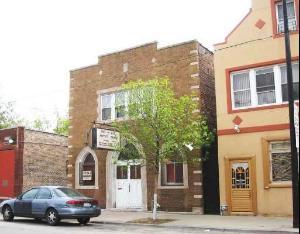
{"points": [[30, 194], [172, 174], [280, 158], [120, 105], [87, 171], [241, 90], [262, 86], [265, 86], [113, 106], [292, 21], [44, 194], [106, 103], [295, 82]]}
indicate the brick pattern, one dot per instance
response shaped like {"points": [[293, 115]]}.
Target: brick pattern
{"points": [[180, 63], [44, 159]]}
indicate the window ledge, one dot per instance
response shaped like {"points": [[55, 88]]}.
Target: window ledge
{"points": [[86, 187], [173, 187], [279, 185]]}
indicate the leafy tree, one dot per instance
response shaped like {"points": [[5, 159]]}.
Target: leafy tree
{"points": [[62, 126], [8, 117], [163, 124], [40, 124]]}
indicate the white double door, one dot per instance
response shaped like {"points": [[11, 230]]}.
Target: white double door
{"points": [[128, 185]]}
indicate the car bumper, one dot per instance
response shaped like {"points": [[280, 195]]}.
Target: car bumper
{"points": [[70, 213]]}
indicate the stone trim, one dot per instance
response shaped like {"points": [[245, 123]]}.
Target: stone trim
{"points": [[194, 63], [197, 183], [195, 87], [81, 156], [196, 75], [198, 196], [197, 172]]}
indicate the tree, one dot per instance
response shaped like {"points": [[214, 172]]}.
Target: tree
{"points": [[164, 125], [62, 126], [40, 124], [8, 117]]}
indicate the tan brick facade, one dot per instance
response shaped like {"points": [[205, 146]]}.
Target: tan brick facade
{"points": [[189, 67], [44, 159]]}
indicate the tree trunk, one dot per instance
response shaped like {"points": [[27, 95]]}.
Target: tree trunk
{"points": [[154, 214]]}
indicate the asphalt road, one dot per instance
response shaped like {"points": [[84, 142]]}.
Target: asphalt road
{"points": [[30, 226]]}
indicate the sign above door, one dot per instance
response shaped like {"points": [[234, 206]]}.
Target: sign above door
{"points": [[105, 139]]}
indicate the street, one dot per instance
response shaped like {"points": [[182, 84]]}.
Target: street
{"points": [[30, 226]]}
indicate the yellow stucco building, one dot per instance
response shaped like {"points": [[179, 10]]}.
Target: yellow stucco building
{"points": [[252, 111]]}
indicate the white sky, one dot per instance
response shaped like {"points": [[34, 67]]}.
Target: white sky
{"points": [[41, 40]]}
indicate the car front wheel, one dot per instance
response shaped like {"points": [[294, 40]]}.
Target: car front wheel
{"points": [[8, 214], [84, 221], [52, 217]]}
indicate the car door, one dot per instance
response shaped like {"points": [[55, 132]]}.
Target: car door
{"points": [[23, 204], [41, 202]]}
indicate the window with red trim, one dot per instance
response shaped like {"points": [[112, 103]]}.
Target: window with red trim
{"points": [[292, 16]]}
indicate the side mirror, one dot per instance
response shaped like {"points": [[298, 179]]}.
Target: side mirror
{"points": [[19, 197]]}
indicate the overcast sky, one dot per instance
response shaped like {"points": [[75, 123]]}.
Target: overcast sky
{"points": [[41, 40]]}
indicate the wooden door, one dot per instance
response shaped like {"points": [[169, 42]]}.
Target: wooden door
{"points": [[241, 186]]}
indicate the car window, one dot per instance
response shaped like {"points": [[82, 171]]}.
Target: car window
{"points": [[44, 193], [67, 192], [30, 194]]}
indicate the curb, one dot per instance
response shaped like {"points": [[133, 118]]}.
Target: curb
{"points": [[195, 228]]}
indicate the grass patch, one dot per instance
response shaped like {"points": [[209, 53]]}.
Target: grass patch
{"points": [[151, 221]]}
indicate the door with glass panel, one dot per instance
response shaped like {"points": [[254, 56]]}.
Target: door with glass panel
{"points": [[241, 186], [129, 185]]}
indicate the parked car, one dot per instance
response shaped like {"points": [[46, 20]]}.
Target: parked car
{"points": [[52, 203]]}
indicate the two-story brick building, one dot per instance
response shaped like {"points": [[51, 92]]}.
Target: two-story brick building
{"points": [[252, 110], [94, 97]]}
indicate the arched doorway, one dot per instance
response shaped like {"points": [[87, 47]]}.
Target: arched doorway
{"points": [[129, 179]]}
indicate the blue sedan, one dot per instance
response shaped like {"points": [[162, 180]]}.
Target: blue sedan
{"points": [[52, 203]]}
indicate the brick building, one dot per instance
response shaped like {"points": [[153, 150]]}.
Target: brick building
{"points": [[93, 91], [30, 158]]}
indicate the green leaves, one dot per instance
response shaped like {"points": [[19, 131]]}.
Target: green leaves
{"points": [[162, 123]]}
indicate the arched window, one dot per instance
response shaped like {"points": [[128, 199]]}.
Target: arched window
{"points": [[87, 169]]}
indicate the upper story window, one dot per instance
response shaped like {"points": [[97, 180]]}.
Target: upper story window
{"points": [[292, 19], [113, 106], [262, 86]]}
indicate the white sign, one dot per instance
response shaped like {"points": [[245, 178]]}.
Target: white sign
{"points": [[296, 120], [87, 175], [107, 139]]}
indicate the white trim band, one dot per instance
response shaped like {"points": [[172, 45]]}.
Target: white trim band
{"points": [[197, 172], [197, 183], [196, 75], [198, 196], [195, 87]]}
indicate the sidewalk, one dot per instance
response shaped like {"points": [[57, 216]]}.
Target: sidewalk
{"points": [[212, 222]]}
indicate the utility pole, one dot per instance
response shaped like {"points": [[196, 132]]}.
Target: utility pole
{"points": [[295, 173]]}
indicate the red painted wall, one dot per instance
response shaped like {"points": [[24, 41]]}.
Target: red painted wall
{"points": [[7, 173]]}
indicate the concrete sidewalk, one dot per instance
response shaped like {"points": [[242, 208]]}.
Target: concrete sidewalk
{"points": [[207, 222]]}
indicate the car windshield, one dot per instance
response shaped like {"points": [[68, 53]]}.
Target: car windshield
{"points": [[67, 192]]}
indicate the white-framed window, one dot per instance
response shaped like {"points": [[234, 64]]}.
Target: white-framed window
{"points": [[86, 169], [295, 82], [262, 86], [280, 161], [114, 106], [292, 19], [172, 174]]}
